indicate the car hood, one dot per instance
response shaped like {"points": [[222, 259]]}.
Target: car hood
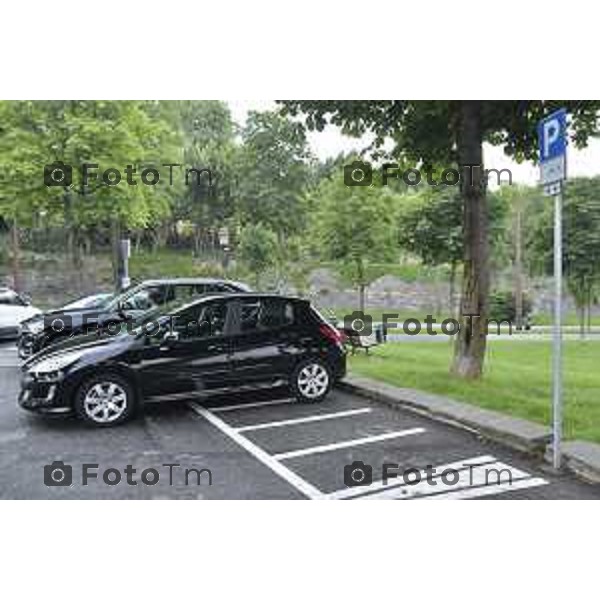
{"points": [[74, 318], [91, 341]]}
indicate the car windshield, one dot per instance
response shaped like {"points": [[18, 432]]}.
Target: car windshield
{"points": [[146, 322], [96, 301]]}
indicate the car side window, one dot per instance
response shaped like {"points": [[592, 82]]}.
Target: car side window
{"points": [[147, 299], [202, 321], [249, 310], [265, 314]]}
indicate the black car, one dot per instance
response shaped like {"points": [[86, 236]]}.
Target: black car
{"points": [[215, 344], [54, 326]]}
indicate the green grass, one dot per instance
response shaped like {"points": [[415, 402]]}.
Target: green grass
{"points": [[569, 319], [516, 380]]}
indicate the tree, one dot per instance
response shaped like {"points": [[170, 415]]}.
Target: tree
{"points": [[581, 241], [453, 132], [208, 143], [522, 205], [430, 226], [106, 133], [257, 248], [273, 174], [354, 226]]}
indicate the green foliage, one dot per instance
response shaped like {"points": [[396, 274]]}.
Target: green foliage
{"points": [[453, 132], [110, 134], [581, 238], [208, 143], [503, 307], [258, 249], [425, 131], [273, 174], [354, 227]]}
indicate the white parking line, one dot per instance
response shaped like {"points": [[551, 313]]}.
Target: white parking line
{"points": [[489, 490], [348, 444], [253, 405], [309, 490], [325, 417], [393, 482], [474, 480]]}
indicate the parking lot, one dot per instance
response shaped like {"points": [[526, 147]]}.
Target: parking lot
{"points": [[263, 446]]}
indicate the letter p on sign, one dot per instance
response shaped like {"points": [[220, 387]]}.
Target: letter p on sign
{"points": [[551, 133], [552, 138]]}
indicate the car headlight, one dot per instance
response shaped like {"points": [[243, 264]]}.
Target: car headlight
{"points": [[55, 364]]}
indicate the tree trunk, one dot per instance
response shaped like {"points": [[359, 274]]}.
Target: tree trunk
{"points": [[115, 237], [452, 285], [589, 309], [15, 251], [197, 236], [469, 349], [518, 270], [360, 268]]}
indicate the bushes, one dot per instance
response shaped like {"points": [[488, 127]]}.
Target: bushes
{"points": [[503, 306]]}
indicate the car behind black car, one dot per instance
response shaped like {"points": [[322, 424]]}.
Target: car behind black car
{"points": [[54, 326], [217, 343]]}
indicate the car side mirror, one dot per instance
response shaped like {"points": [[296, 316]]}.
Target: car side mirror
{"points": [[26, 299]]}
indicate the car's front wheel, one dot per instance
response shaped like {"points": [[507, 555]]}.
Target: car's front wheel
{"points": [[311, 381], [105, 400]]}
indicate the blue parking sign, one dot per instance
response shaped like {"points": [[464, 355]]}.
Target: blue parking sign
{"points": [[552, 137]]}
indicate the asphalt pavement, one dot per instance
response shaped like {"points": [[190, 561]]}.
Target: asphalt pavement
{"points": [[261, 446]]}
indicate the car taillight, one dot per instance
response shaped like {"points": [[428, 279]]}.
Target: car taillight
{"points": [[332, 334]]}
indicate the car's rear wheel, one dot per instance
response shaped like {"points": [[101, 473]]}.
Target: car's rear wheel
{"points": [[311, 381], [105, 400]]}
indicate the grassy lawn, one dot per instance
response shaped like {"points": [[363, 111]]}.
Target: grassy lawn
{"points": [[569, 319], [516, 382]]}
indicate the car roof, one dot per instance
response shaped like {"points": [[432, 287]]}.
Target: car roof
{"points": [[241, 296], [185, 281]]}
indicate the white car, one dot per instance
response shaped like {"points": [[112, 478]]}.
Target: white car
{"points": [[14, 308]]}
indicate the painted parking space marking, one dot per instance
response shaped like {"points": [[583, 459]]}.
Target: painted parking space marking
{"points": [[231, 407], [393, 482], [300, 484], [311, 419], [489, 490], [476, 478], [348, 443]]}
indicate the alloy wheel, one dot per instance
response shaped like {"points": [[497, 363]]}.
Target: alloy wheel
{"points": [[105, 402], [313, 380]]}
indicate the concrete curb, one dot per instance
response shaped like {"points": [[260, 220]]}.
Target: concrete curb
{"points": [[582, 459], [519, 434]]}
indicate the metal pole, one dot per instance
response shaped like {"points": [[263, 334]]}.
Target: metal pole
{"points": [[557, 335]]}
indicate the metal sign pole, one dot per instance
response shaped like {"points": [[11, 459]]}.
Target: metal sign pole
{"points": [[557, 335], [552, 138]]}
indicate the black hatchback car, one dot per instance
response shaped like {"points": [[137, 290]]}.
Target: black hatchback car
{"points": [[54, 326], [214, 344]]}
